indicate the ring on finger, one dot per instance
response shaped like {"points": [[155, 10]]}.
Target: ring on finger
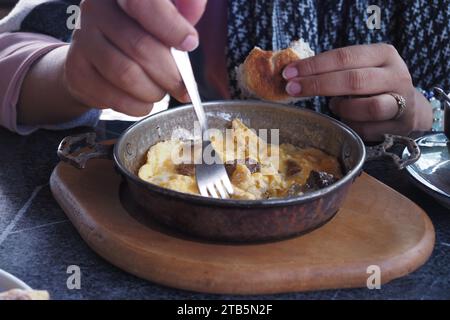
{"points": [[401, 105]]}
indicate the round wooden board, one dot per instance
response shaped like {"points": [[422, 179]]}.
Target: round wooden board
{"points": [[376, 226]]}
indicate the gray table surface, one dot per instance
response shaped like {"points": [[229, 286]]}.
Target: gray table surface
{"points": [[38, 243]]}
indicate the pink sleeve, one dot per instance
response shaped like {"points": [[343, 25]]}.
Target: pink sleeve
{"points": [[18, 51]]}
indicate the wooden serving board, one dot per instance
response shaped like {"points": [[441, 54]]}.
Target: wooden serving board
{"points": [[376, 226]]}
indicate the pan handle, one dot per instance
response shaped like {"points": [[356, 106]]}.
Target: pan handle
{"points": [[381, 150], [68, 150]]}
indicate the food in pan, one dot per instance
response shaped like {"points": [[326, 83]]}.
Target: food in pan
{"points": [[257, 170], [260, 75]]}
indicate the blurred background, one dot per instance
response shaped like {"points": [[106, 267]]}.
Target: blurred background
{"points": [[5, 5]]}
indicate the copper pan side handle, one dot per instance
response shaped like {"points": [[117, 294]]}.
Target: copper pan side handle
{"points": [[381, 150], [69, 149]]}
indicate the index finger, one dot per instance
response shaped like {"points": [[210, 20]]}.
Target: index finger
{"points": [[353, 57], [163, 20]]}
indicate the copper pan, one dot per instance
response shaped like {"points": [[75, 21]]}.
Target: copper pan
{"points": [[239, 220]]}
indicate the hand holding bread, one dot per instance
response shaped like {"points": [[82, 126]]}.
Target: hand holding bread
{"points": [[363, 79]]}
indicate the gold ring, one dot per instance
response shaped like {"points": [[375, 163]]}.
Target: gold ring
{"points": [[401, 104]]}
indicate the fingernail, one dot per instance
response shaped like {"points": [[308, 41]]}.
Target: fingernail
{"points": [[290, 72], [293, 88], [190, 43]]}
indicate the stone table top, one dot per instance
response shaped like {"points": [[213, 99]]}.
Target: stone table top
{"points": [[38, 243]]}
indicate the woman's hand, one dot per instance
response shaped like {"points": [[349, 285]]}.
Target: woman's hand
{"points": [[120, 56], [365, 74]]}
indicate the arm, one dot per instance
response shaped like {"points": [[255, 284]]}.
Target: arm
{"points": [[21, 63], [126, 68], [47, 101]]}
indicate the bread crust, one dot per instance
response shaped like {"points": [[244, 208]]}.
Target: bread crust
{"points": [[261, 76], [262, 73]]}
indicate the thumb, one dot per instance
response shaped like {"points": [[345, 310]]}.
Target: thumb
{"points": [[192, 10]]}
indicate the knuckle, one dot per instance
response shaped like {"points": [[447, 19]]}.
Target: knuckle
{"points": [[154, 94], [128, 73], [171, 31], [356, 80], [344, 57], [117, 101], [140, 45], [314, 87], [307, 66], [176, 86], [158, 95], [174, 30]]}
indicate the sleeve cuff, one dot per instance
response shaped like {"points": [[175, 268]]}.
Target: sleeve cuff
{"points": [[18, 52], [88, 119]]}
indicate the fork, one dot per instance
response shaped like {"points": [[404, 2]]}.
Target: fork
{"points": [[212, 179]]}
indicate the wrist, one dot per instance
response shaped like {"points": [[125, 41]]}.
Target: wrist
{"points": [[69, 95], [44, 97]]}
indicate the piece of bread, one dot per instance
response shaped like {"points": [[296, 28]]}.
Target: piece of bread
{"points": [[19, 294], [260, 76]]}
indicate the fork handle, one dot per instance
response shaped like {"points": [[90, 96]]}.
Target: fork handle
{"points": [[185, 68]]}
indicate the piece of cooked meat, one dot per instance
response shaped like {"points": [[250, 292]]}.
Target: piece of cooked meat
{"points": [[318, 180], [252, 165], [186, 169], [292, 168]]}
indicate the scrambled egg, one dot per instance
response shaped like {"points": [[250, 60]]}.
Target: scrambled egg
{"points": [[257, 170]]}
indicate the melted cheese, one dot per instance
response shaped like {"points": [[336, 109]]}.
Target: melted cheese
{"points": [[271, 181]]}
